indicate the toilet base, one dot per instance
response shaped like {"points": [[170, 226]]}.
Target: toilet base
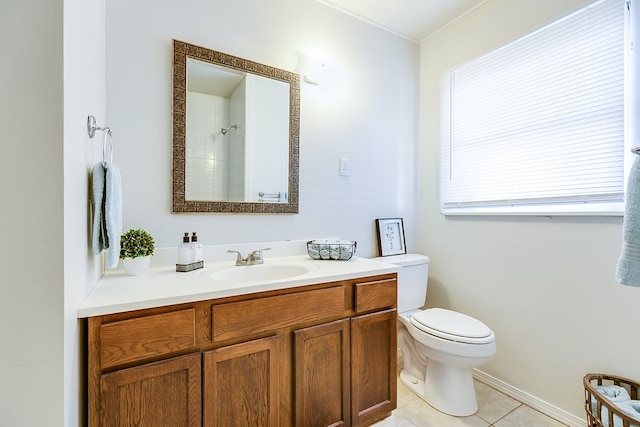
{"points": [[448, 389], [412, 383]]}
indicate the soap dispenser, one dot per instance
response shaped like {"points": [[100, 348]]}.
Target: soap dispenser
{"points": [[196, 248], [185, 251], [189, 254]]}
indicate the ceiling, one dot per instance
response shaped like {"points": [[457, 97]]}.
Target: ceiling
{"points": [[412, 19]]}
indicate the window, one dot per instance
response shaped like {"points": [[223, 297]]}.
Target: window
{"points": [[538, 125]]}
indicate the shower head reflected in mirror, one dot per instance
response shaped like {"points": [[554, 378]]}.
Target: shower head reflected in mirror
{"points": [[225, 130]]}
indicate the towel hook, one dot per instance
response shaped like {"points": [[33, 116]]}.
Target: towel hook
{"points": [[92, 127]]}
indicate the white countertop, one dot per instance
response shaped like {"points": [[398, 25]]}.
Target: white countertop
{"points": [[162, 285]]}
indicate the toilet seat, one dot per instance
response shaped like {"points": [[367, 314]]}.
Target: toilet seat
{"points": [[452, 326]]}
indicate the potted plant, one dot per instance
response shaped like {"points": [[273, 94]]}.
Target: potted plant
{"points": [[136, 248]]}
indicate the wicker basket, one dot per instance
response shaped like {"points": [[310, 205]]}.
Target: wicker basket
{"points": [[602, 412], [331, 249]]}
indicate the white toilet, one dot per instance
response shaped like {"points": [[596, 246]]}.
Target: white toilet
{"points": [[439, 346]]}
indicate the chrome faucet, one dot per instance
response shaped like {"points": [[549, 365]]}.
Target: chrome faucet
{"points": [[254, 258]]}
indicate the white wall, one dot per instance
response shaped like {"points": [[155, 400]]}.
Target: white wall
{"points": [[370, 116], [31, 179], [52, 78], [544, 285], [84, 94]]}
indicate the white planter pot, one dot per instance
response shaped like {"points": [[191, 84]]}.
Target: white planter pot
{"points": [[136, 266]]}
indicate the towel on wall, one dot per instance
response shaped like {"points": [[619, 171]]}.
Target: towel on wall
{"points": [[98, 231], [107, 211], [628, 268], [113, 212]]}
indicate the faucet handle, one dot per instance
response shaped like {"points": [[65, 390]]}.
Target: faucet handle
{"points": [[256, 256], [239, 259]]}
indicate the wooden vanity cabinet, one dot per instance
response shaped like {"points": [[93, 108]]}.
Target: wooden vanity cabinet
{"points": [[154, 394], [241, 384], [322, 374], [373, 377], [318, 355]]}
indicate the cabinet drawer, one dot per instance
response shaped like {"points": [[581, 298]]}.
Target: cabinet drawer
{"points": [[242, 318], [144, 337], [375, 295]]}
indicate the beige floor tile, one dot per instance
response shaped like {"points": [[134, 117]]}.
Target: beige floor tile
{"points": [[493, 404], [402, 421], [525, 416], [406, 396], [496, 409], [423, 415], [414, 411]]}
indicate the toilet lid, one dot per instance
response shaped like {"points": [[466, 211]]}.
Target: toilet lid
{"points": [[452, 325]]}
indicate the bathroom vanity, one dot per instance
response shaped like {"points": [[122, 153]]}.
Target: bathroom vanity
{"points": [[317, 349]]}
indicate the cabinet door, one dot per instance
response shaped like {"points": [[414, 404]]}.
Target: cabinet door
{"points": [[322, 364], [373, 367], [241, 384], [158, 394]]}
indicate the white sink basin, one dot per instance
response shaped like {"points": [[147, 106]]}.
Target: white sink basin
{"points": [[259, 273]]}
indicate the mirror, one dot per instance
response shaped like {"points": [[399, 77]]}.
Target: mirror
{"points": [[235, 134]]}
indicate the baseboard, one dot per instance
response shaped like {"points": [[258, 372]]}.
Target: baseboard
{"points": [[529, 400]]}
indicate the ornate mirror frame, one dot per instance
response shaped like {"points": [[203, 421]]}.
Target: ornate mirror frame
{"points": [[182, 51]]}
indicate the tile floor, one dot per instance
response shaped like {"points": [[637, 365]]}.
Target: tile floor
{"points": [[495, 409]]}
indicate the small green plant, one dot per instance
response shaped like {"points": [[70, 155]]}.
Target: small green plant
{"points": [[136, 243]]}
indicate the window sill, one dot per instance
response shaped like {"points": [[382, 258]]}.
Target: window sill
{"points": [[593, 209]]}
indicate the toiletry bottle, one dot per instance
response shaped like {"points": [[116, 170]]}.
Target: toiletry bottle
{"points": [[184, 251], [197, 248]]}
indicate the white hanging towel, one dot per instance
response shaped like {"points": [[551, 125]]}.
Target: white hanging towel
{"points": [[107, 211], [628, 268]]}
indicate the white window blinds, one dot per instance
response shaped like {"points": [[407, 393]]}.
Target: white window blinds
{"points": [[538, 125]]}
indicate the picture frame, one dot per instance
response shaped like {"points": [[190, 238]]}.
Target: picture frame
{"points": [[391, 239]]}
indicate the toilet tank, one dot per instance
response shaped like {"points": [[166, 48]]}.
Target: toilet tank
{"points": [[412, 279]]}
